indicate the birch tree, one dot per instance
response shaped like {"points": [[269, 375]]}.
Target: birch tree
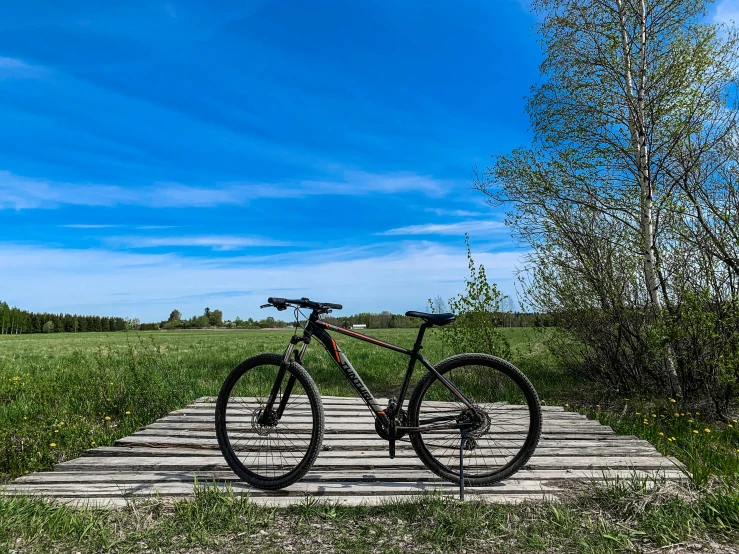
{"points": [[628, 88]]}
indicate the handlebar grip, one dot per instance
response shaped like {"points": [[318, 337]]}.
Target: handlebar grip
{"points": [[335, 306], [272, 300]]}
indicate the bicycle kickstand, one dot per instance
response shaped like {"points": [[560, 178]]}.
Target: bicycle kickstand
{"points": [[462, 445]]}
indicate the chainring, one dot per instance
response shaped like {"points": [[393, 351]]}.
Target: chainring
{"points": [[401, 419]]}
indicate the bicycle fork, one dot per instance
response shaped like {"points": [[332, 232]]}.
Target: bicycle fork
{"points": [[280, 377]]}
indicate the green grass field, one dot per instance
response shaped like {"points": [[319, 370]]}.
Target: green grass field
{"points": [[63, 393]]}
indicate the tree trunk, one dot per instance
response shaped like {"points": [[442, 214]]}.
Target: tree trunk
{"points": [[637, 129]]}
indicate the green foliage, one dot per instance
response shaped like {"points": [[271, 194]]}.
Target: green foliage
{"points": [[705, 336], [478, 314]]}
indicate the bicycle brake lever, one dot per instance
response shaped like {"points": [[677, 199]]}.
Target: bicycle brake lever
{"points": [[265, 305]]}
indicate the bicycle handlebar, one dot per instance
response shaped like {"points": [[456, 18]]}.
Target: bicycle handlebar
{"points": [[283, 303]]}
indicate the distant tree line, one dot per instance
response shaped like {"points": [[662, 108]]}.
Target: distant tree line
{"points": [[17, 321], [211, 319]]}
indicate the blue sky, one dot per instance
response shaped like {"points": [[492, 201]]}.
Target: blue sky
{"points": [[162, 155]]}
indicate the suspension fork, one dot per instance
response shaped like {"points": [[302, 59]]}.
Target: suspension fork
{"points": [[291, 380], [281, 376]]}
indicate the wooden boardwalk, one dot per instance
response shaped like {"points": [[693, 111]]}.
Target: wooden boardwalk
{"points": [[166, 458]]}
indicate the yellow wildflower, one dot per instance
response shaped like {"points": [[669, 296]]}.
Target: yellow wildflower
{"points": [[52, 444], [93, 443], [567, 405], [678, 394], [661, 434], [734, 420], [673, 438], [654, 415], [682, 414], [108, 399], [61, 423], [677, 415], [690, 421], [637, 413], [128, 413], [24, 417], [730, 426], [107, 418], [673, 400], [707, 430], [56, 430], [695, 431], [697, 413]]}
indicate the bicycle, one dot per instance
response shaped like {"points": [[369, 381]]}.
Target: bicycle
{"points": [[270, 422]]}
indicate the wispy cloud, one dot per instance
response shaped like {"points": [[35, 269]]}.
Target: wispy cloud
{"points": [[454, 213], [397, 279], [448, 228], [215, 242], [11, 63], [87, 226], [727, 11], [19, 193]]}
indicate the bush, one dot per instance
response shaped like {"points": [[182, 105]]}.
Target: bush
{"points": [[478, 315]]}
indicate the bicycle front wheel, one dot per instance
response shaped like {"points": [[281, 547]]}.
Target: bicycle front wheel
{"points": [[272, 450], [504, 423]]}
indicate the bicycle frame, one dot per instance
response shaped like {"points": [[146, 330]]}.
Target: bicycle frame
{"points": [[319, 329]]}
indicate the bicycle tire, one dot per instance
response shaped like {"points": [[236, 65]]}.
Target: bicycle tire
{"points": [[242, 429], [509, 429]]}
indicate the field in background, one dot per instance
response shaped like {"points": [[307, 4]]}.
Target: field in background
{"points": [[63, 393]]}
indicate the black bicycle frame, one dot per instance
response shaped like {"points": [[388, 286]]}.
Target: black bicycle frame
{"points": [[318, 329]]}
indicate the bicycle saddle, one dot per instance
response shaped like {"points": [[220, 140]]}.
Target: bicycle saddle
{"points": [[433, 319]]}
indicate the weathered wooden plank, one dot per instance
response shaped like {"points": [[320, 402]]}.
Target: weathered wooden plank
{"points": [[353, 412], [369, 420], [333, 427], [356, 401], [301, 488], [402, 452], [209, 463], [336, 442], [336, 475], [370, 436]]}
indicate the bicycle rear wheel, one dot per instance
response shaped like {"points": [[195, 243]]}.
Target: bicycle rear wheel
{"points": [[269, 451], [505, 422]]}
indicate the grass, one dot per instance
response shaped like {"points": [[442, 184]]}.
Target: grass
{"points": [[618, 518], [61, 394]]}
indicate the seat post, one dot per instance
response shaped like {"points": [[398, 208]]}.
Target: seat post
{"points": [[419, 338]]}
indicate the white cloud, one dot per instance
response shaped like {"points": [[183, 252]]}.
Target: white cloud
{"points": [[87, 226], [216, 242], [149, 286], [19, 193], [727, 11], [11, 63], [448, 228], [25, 193], [454, 213]]}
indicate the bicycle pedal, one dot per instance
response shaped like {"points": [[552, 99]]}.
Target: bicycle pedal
{"points": [[392, 449]]}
